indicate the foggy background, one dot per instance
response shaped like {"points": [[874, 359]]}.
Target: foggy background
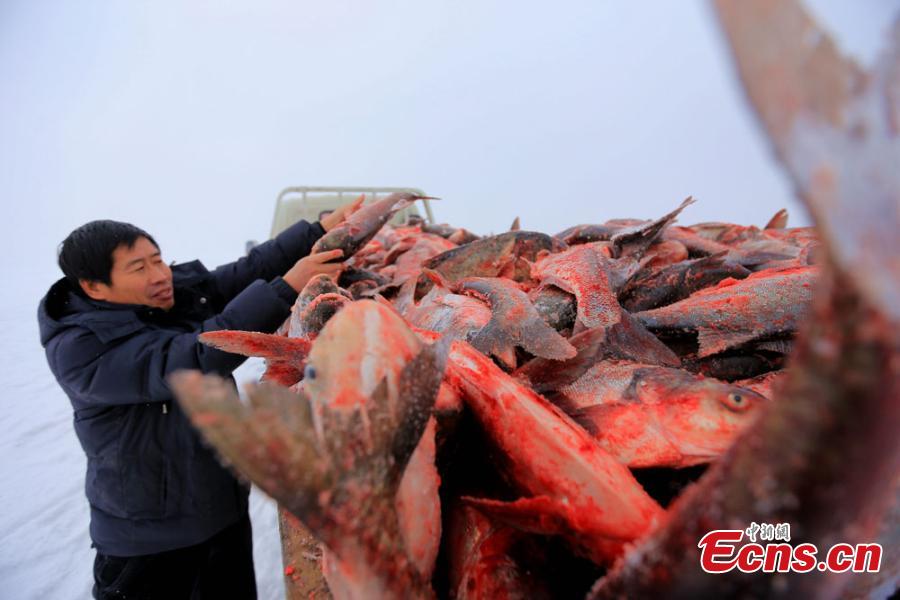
{"points": [[187, 119]]}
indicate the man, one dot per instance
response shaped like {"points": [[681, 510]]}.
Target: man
{"points": [[167, 520]]}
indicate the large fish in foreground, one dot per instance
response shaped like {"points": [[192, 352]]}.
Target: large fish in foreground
{"points": [[335, 454]]}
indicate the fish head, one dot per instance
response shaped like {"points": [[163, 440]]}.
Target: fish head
{"points": [[320, 310], [701, 416], [318, 285], [359, 346]]}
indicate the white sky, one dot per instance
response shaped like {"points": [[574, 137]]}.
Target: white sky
{"points": [[187, 118]]}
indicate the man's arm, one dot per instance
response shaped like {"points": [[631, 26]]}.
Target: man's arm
{"points": [[268, 260], [276, 256], [134, 370]]}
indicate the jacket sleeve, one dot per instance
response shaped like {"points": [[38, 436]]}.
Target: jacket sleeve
{"points": [[134, 369], [268, 260]]}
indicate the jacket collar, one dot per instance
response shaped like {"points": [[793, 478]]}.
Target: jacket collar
{"points": [[63, 307]]}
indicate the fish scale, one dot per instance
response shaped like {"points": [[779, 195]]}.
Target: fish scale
{"points": [[735, 312]]}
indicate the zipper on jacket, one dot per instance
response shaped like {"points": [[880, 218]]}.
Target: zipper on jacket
{"points": [[165, 408]]}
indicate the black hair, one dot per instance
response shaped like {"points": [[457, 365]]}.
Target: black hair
{"points": [[87, 253]]}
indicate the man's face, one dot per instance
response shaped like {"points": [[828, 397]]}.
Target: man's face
{"points": [[138, 276]]}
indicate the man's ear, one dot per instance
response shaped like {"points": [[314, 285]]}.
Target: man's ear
{"points": [[96, 290]]}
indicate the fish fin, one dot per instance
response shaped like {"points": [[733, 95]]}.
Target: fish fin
{"points": [[252, 343], [498, 340], [271, 442], [778, 221], [419, 383], [630, 340], [539, 514], [626, 339], [282, 373], [274, 443], [503, 333], [540, 339], [712, 341], [635, 240]]}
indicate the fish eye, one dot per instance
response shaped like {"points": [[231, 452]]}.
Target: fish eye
{"points": [[736, 402], [309, 372]]}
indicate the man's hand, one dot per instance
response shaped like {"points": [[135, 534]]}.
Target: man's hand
{"points": [[333, 219], [315, 264]]}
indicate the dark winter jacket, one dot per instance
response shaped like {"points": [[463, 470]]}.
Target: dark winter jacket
{"points": [[152, 483]]}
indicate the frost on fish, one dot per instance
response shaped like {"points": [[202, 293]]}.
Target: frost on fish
{"points": [[585, 272], [650, 416], [514, 322], [626, 339], [734, 312]]}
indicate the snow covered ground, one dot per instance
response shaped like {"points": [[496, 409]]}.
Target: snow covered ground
{"points": [[45, 548]]}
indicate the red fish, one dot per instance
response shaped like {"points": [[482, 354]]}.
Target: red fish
{"points": [[480, 562], [587, 272], [626, 339], [573, 486], [649, 416], [357, 229], [653, 288], [733, 313], [492, 256], [514, 322], [336, 454]]}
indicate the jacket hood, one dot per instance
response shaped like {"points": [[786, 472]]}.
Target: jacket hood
{"points": [[63, 307]]}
